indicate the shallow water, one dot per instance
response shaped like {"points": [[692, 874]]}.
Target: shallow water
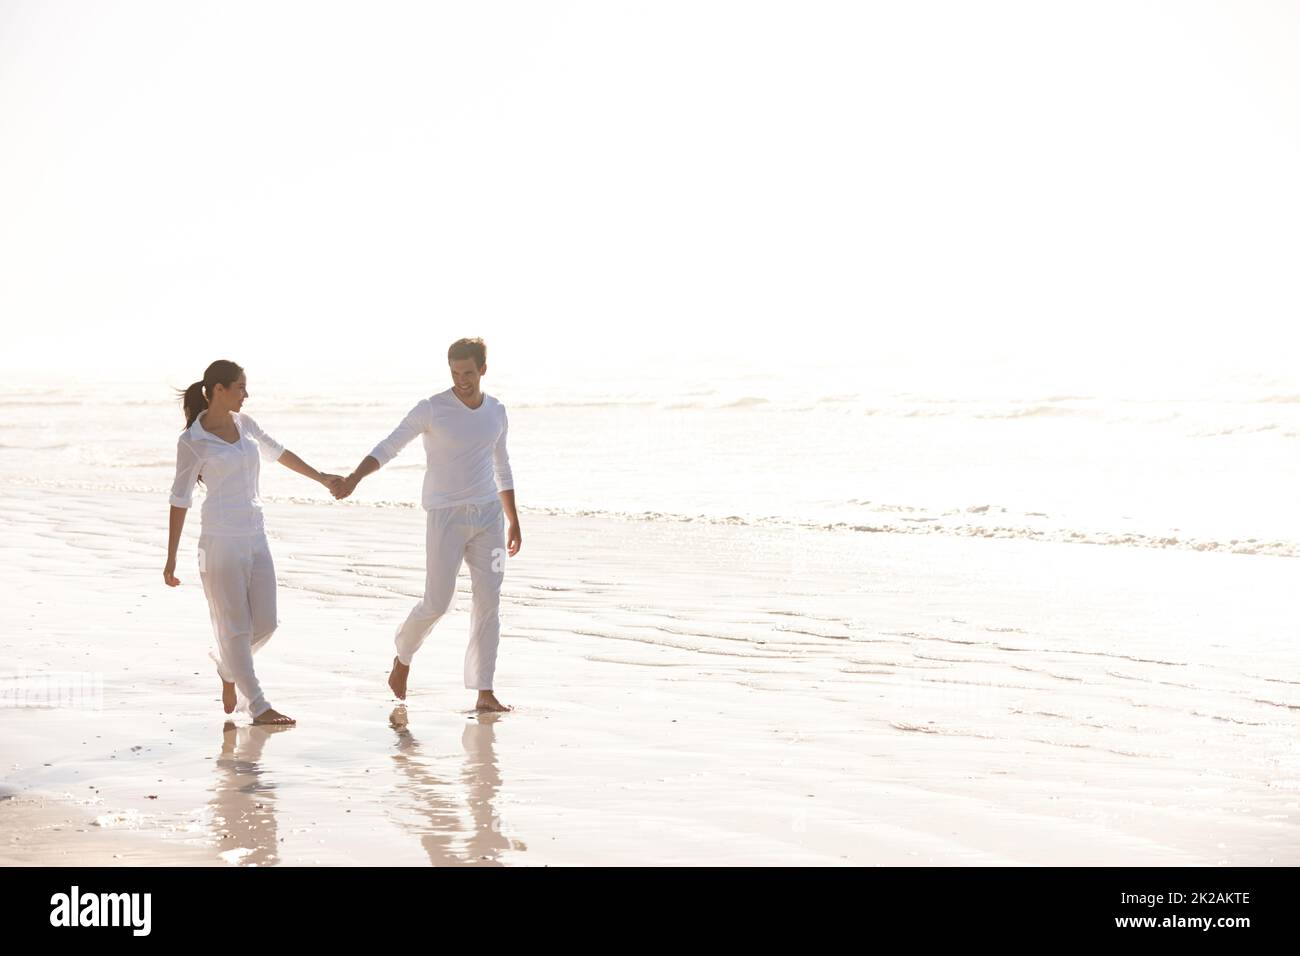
{"points": [[1166, 466]]}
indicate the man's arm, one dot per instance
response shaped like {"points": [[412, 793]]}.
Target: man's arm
{"points": [[514, 536], [368, 466], [506, 487], [415, 422]]}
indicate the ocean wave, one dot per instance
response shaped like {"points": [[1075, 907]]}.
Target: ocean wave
{"points": [[954, 523], [749, 401], [49, 403], [935, 525], [1040, 411], [1237, 430]]}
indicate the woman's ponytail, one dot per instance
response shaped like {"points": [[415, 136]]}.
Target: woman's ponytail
{"points": [[193, 402]]}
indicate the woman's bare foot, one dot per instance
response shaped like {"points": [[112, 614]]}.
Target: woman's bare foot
{"points": [[228, 697], [397, 679], [488, 701], [271, 716]]}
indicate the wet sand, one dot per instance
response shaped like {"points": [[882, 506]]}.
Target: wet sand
{"points": [[685, 694]]}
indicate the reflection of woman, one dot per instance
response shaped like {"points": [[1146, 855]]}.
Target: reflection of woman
{"points": [[220, 447], [243, 804]]}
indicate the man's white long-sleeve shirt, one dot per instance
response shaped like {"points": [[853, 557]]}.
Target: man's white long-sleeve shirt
{"points": [[465, 449]]}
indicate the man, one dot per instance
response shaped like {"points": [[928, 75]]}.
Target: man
{"points": [[467, 486]]}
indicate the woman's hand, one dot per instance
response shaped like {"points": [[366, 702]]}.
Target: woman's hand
{"points": [[514, 539], [169, 573], [332, 482], [345, 486]]}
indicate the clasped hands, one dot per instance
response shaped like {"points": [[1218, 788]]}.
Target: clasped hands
{"points": [[339, 486]]}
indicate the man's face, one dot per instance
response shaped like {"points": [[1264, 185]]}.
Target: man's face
{"points": [[465, 375]]}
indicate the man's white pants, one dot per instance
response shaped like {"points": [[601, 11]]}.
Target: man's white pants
{"points": [[239, 581], [474, 533]]}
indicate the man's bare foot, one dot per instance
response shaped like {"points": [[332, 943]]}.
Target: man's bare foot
{"points": [[273, 717], [228, 697], [397, 679], [398, 719], [488, 701]]}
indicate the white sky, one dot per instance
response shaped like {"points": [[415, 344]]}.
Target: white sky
{"points": [[330, 188]]}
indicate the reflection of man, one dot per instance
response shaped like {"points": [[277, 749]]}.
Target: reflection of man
{"points": [[442, 832], [468, 494]]}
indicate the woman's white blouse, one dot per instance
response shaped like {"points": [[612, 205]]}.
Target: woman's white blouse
{"points": [[230, 473]]}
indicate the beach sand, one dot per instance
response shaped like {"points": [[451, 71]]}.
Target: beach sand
{"points": [[684, 693]]}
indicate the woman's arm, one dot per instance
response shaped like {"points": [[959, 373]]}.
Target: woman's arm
{"points": [[175, 524], [294, 463], [272, 450], [188, 465]]}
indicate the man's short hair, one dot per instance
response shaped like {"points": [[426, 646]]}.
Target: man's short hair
{"points": [[468, 349]]}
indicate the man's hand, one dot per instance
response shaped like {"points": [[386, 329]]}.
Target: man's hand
{"points": [[331, 482], [169, 574], [514, 539], [345, 486]]}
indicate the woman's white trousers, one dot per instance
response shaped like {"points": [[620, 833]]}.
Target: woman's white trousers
{"points": [[239, 581]]}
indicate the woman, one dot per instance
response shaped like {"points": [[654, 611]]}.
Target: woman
{"points": [[220, 448]]}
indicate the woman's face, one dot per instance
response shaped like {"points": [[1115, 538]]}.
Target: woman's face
{"points": [[232, 396]]}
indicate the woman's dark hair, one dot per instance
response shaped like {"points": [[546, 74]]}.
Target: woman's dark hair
{"points": [[195, 398]]}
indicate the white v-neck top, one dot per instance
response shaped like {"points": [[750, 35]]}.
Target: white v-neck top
{"points": [[230, 471], [465, 449]]}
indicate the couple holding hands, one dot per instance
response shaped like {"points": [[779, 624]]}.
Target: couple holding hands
{"points": [[468, 498]]}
